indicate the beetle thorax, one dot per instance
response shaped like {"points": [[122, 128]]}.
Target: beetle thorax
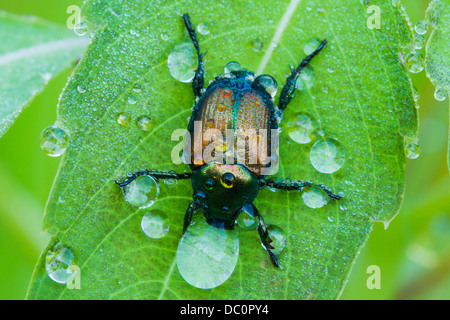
{"points": [[221, 191]]}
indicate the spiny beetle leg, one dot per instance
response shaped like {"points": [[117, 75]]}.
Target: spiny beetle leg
{"points": [[265, 238], [188, 216], [156, 175], [199, 77], [297, 185], [287, 93]]}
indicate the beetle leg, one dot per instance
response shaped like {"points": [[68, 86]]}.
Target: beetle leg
{"points": [[199, 77], [188, 216], [156, 175], [297, 185], [265, 239], [287, 93]]}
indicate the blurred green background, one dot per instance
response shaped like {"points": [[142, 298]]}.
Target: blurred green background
{"points": [[413, 253]]}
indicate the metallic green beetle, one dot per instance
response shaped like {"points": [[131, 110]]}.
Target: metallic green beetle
{"points": [[237, 100]]}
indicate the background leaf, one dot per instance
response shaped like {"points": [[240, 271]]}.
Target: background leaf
{"points": [[33, 51], [368, 109], [437, 61]]}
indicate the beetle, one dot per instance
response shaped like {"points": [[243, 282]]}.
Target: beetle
{"points": [[235, 100]]}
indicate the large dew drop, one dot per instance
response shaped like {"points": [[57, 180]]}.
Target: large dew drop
{"points": [[142, 192], [182, 62], [155, 224], [327, 156], [57, 262], [206, 255], [54, 141], [247, 219], [301, 127]]}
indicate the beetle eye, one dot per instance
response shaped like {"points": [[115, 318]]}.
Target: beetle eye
{"points": [[268, 83], [227, 180]]}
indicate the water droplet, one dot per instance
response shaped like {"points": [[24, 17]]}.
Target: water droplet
{"points": [[440, 94], [412, 150], [232, 66], [257, 45], [155, 224], [137, 87], [396, 3], [421, 27], [144, 123], [203, 28], [123, 119], [268, 83], [306, 79], [54, 141], [206, 255], [171, 182], [57, 262], [142, 192], [311, 46], [301, 127], [330, 70], [278, 237], [247, 219], [164, 36], [81, 88], [182, 62], [131, 99], [414, 62], [314, 197], [418, 41], [327, 156], [80, 28]]}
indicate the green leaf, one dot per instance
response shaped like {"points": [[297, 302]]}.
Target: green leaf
{"points": [[33, 51], [437, 60], [361, 96]]}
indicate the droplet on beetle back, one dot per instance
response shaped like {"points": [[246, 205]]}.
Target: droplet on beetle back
{"points": [[301, 127], [232, 66], [54, 141], [327, 156], [182, 62], [155, 224], [314, 197], [141, 192], [57, 262], [268, 83], [206, 255]]}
